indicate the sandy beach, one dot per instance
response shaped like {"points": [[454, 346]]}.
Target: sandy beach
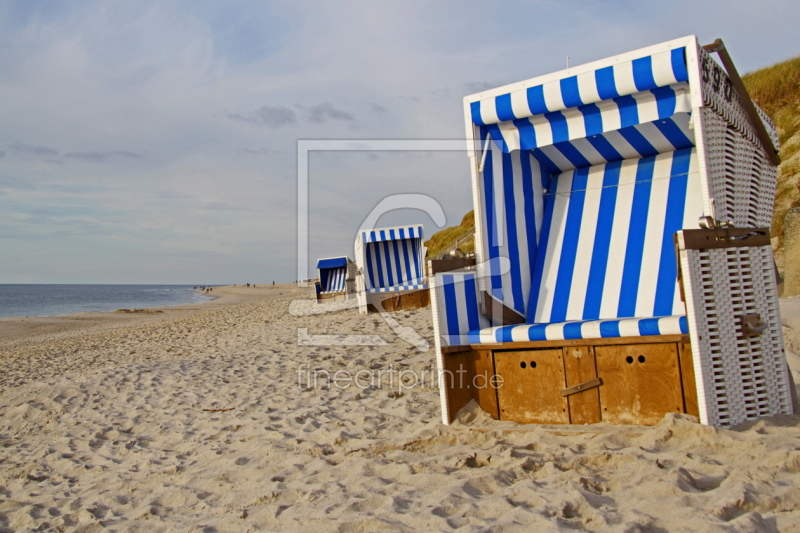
{"points": [[208, 418]]}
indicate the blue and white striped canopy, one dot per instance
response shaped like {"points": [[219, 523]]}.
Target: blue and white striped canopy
{"points": [[603, 85], [391, 234], [632, 109], [332, 262]]}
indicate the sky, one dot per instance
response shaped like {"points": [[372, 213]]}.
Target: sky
{"points": [[157, 141]]}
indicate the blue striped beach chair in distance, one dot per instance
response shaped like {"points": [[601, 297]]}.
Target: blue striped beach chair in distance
{"points": [[391, 269], [337, 277], [586, 184]]}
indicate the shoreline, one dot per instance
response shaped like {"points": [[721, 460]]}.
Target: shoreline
{"points": [[204, 294], [20, 328]]}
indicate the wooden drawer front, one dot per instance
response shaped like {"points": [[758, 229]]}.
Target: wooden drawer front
{"points": [[532, 384], [641, 382]]}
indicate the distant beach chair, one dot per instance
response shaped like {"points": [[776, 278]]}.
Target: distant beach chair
{"points": [[391, 269], [593, 299], [336, 279]]}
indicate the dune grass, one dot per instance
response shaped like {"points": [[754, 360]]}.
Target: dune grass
{"points": [[776, 89], [442, 239]]}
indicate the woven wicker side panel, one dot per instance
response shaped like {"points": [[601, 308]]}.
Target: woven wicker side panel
{"points": [[763, 183], [738, 378], [742, 181], [719, 94]]}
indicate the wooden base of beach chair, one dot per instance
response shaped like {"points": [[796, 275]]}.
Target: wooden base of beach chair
{"points": [[404, 302], [334, 296], [628, 380]]}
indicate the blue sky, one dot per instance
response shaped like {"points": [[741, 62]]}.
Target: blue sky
{"points": [[155, 141]]}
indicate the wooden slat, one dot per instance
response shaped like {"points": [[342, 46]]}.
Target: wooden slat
{"points": [[688, 379], [496, 311], [704, 239], [446, 265], [330, 295], [456, 349], [581, 387], [761, 131], [580, 366], [404, 301]]}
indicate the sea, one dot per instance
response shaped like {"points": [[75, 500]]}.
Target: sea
{"points": [[51, 300]]}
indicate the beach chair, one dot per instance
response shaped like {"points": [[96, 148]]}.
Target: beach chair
{"points": [[623, 263], [337, 278], [391, 269]]}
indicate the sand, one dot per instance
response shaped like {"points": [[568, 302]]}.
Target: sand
{"points": [[203, 419]]}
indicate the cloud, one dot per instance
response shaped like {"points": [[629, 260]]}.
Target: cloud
{"points": [[377, 108], [9, 182], [102, 157], [54, 156], [473, 87], [30, 149], [277, 116], [326, 111], [259, 151], [268, 116]]}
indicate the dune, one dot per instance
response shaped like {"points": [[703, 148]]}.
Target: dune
{"points": [[228, 416]]}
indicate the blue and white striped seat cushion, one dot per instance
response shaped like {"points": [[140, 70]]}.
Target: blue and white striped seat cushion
{"points": [[397, 288], [582, 329]]}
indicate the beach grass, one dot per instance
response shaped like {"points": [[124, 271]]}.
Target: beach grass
{"points": [[442, 239]]}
